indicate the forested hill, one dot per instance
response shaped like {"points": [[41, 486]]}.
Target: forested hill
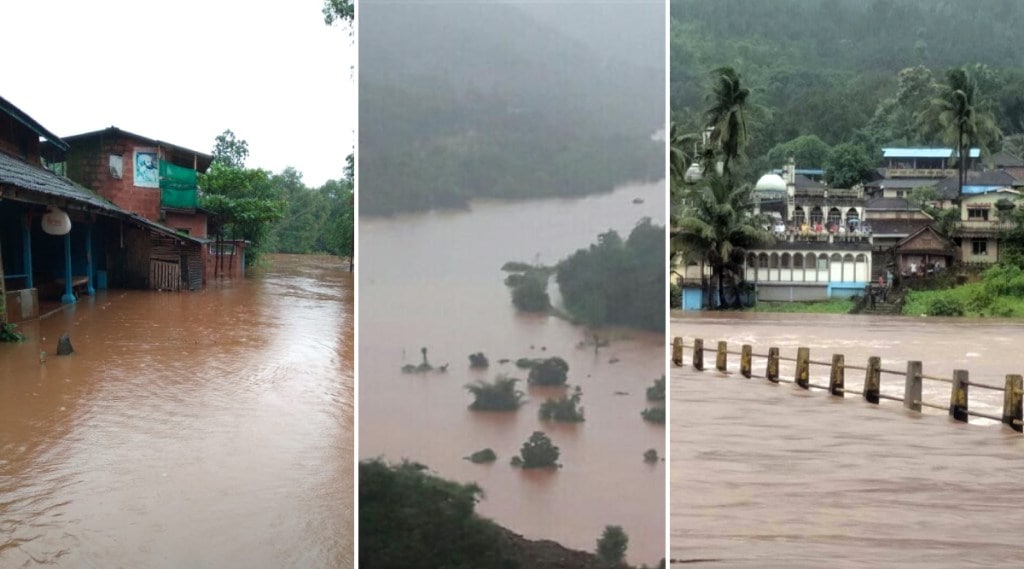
{"points": [[828, 67], [463, 100]]}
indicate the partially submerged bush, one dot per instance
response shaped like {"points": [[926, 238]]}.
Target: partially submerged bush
{"points": [[945, 306], [538, 452], [654, 415], [478, 361], [657, 391], [564, 409], [552, 371], [530, 293], [612, 545], [9, 333], [482, 456], [651, 455], [499, 395]]}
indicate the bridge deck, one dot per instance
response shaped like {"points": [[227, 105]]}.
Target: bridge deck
{"points": [[771, 476]]}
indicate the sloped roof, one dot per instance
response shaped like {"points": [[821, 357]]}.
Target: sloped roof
{"points": [[947, 187], [897, 227], [1003, 159], [888, 203], [17, 114], [923, 152], [804, 182], [19, 174], [925, 240], [203, 158]]}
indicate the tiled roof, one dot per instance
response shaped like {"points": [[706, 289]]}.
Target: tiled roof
{"points": [[897, 227]]}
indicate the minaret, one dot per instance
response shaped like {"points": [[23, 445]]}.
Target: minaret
{"points": [[789, 175]]}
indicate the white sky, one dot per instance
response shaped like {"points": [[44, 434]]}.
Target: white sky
{"points": [[184, 71]]}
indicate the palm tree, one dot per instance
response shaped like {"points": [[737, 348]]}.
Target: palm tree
{"points": [[717, 224], [725, 118], [959, 116]]}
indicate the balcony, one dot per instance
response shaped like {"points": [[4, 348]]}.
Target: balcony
{"points": [[919, 172]]}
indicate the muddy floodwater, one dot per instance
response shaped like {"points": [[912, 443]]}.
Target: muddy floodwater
{"points": [[208, 429], [770, 475], [433, 280]]}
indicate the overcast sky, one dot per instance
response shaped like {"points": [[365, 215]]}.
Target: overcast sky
{"points": [[184, 71]]}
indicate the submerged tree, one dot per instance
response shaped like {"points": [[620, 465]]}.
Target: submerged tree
{"points": [[498, 395], [538, 452], [612, 545], [563, 409], [550, 371]]}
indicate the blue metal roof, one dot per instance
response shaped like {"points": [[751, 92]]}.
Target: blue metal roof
{"points": [[980, 189], [923, 152]]}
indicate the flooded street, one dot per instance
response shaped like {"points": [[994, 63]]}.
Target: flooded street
{"points": [[209, 429], [770, 475], [433, 280]]}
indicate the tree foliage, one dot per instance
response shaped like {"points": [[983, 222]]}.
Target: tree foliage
{"points": [[412, 519], [612, 545], [498, 395], [339, 11], [550, 371], [539, 452], [848, 164], [613, 281], [565, 409]]}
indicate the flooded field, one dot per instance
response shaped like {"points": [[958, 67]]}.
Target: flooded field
{"points": [[434, 280], [209, 429], [772, 476]]}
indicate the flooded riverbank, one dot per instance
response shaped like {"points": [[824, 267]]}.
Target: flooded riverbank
{"points": [[433, 280], [208, 429]]}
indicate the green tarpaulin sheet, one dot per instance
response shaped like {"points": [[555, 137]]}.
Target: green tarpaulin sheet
{"points": [[177, 186]]}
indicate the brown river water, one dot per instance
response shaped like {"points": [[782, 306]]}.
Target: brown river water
{"points": [[773, 476], [209, 429], [433, 280]]}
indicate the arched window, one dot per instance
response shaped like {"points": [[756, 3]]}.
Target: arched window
{"points": [[785, 259], [762, 261], [861, 258], [835, 217], [852, 215], [823, 261], [798, 261], [816, 216], [751, 260], [773, 261], [811, 261], [799, 217]]}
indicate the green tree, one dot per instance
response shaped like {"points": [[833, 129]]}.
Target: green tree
{"points": [[612, 545], [808, 150], [230, 151], [717, 225], [724, 115], [499, 395], [539, 452], [962, 119], [339, 11], [848, 164]]}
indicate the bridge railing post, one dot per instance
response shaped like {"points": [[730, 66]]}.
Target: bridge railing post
{"points": [[912, 388], [698, 354], [803, 367], [677, 351], [771, 372], [722, 356], [837, 379], [1013, 406], [958, 395], [873, 379], [746, 360]]}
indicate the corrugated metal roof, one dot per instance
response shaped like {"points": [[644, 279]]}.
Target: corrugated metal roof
{"points": [[22, 175], [923, 152]]}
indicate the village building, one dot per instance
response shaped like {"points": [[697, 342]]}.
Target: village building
{"points": [[60, 240], [923, 253], [157, 180], [981, 227], [822, 249]]}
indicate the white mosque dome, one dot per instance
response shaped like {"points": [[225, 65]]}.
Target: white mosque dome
{"points": [[771, 183]]}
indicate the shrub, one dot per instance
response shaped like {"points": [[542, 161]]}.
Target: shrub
{"points": [[944, 306], [499, 395], [651, 455], [8, 332], [552, 371], [657, 391], [538, 452], [478, 361], [482, 456], [530, 293], [654, 415], [564, 409], [612, 545]]}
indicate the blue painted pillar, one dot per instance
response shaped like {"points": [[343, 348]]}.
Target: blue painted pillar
{"points": [[88, 262], [26, 242], [68, 298]]}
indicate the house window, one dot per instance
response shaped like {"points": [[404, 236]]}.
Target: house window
{"points": [[115, 162], [900, 193], [979, 246], [977, 214]]}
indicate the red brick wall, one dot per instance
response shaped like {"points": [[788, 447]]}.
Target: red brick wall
{"points": [[89, 165], [18, 140], [195, 223]]}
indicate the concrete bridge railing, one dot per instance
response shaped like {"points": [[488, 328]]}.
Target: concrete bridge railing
{"points": [[960, 383]]}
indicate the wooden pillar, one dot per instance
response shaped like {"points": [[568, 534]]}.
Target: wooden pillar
{"points": [[803, 367], [722, 356], [68, 297], [837, 379], [912, 388], [698, 354], [1012, 403], [26, 243], [746, 360], [772, 371], [958, 395], [677, 351], [873, 379]]}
